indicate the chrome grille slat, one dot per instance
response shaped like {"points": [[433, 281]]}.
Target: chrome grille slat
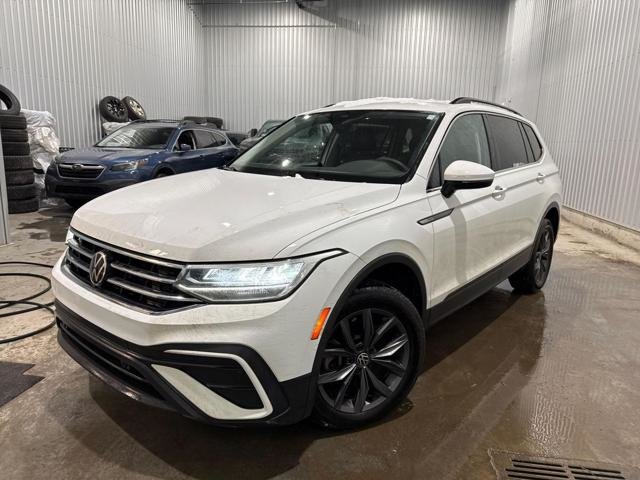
{"points": [[77, 263], [77, 170], [142, 274], [138, 281], [72, 244], [149, 293]]}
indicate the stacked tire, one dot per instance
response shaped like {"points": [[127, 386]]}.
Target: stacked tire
{"points": [[18, 166]]}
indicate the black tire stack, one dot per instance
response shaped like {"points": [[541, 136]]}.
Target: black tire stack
{"points": [[18, 166]]}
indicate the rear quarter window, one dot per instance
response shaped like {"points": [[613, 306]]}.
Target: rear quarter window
{"points": [[533, 141]]}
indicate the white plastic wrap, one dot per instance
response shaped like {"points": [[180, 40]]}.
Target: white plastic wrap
{"points": [[109, 127], [43, 142]]}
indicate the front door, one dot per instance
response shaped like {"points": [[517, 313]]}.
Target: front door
{"points": [[467, 235]]}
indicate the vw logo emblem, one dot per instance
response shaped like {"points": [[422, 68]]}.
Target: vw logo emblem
{"points": [[362, 360], [98, 269], [76, 166]]}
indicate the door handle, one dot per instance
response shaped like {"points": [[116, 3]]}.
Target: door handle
{"points": [[498, 192], [540, 178]]}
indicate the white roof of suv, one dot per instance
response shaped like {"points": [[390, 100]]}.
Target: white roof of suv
{"points": [[388, 103]]}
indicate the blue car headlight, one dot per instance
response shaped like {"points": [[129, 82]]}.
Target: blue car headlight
{"points": [[130, 165]]}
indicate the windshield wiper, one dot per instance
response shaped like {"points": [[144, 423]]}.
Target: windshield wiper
{"points": [[229, 168]]}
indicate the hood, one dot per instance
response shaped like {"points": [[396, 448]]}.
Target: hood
{"points": [[99, 155], [216, 215]]}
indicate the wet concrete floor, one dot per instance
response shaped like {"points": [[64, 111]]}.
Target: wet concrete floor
{"points": [[552, 374]]}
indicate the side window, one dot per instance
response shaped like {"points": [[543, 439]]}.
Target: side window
{"points": [[534, 142], [205, 139], [508, 145], [465, 140], [219, 139], [187, 138]]}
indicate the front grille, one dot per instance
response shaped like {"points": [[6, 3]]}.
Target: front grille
{"points": [[133, 279], [78, 170]]}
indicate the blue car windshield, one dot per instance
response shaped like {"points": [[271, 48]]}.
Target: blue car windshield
{"points": [[138, 136]]}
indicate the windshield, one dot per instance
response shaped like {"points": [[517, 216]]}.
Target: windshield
{"points": [[361, 146], [268, 126], [138, 136]]}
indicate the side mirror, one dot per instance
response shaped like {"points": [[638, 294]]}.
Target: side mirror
{"points": [[185, 147], [253, 132], [466, 175]]}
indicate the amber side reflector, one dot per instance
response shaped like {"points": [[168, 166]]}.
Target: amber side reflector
{"points": [[322, 318]]}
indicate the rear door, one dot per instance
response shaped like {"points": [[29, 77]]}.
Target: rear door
{"points": [[467, 233], [213, 148], [517, 163]]}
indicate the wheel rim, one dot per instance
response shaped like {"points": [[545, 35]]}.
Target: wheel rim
{"points": [[115, 108], [365, 361], [543, 257], [136, 107]]}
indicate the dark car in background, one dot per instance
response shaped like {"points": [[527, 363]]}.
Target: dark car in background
{"points": [[258, 135], [137, 152]]}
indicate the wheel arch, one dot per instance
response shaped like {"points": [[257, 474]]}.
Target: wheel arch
{"points": [[360, 279]]}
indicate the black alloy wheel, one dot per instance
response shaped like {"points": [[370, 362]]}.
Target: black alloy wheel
{"points": [[365, 361], [532, 276], [542, 258], [370, 358]]}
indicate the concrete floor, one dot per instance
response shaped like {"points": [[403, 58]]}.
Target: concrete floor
{"points": [[553, 374]]}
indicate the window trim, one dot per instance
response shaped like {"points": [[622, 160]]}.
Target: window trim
{"points": [[444, 137], [483, 113], [542, 150]]}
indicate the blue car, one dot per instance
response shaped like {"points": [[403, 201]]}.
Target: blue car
{"points": [[139, 151]]}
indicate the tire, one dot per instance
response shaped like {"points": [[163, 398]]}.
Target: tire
{"points": [[75, 203], [113, 109], [22, 162], [19, 177], [14, 135], [15, 148], [533, 276], [21, 192], [18, 122], [24, 206], [10, 101], [134, 109], [339, 402]]}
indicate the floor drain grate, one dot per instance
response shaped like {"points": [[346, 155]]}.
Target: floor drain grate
{"points": [[514, 466]]}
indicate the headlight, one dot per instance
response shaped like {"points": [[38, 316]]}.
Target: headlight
{"points": [[132, 165], [246, 282]]}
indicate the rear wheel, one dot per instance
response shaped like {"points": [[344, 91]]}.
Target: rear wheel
{"points": [[370, 360], [533, 276]]}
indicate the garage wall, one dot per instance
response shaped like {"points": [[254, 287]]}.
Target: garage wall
{"points": [[65, 55], [272, 59], [573, 66]]}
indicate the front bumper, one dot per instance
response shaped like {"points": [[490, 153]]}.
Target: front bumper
{"points": [[86, 188], [227, 383], [174, 353]]}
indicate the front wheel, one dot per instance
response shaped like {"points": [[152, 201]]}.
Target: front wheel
{"points": [[533, 276], [370, 360]]}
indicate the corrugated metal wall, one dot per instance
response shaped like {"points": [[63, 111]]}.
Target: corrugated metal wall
{"points": [[573, 66], [65, 55], [272, 60]]}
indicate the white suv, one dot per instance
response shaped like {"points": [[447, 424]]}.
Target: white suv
{"points": [[301, 279]]}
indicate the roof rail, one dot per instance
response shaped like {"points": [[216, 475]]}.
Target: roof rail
{"points": [[477, 100], [155, 120]]}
